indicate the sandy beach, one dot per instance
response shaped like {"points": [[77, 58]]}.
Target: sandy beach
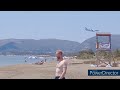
{"points": [[76, 70]]}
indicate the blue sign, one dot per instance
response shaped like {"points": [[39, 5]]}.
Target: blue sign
{"points": [[103, 72]]}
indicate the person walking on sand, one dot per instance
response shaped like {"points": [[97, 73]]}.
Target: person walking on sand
{"points": [[61, 66]]}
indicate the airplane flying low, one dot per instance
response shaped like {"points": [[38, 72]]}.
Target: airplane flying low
{"points": [[91, 30]]}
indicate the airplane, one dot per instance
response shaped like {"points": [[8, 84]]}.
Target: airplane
{"points": [[91, 30], [88, 29]]}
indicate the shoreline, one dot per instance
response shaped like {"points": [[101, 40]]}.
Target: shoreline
{"points": [[47, 71]]}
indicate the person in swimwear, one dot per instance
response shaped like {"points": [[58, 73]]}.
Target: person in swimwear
{"points": [[61, 66]]}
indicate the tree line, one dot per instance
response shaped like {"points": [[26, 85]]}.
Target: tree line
{"points": [[90, 54]]}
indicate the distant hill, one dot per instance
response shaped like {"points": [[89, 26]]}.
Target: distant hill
{"points": [[49, 46], [91, 43], [38, 46]]}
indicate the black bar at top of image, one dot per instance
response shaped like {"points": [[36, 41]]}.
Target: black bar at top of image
{"points": [[82, 5]]}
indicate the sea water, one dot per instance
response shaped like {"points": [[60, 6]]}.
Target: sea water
{"points": [[13, 60]]}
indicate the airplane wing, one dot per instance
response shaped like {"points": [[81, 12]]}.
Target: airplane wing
{"points": [[87, 29], [92, 30]]}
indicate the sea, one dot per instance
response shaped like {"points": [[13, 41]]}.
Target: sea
{"points": [[13, 60]]}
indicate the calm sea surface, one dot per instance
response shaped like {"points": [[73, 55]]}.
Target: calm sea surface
{"points": [[13, 60]]}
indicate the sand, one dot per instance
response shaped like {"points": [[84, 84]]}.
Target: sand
{"points": [[76, 70]]}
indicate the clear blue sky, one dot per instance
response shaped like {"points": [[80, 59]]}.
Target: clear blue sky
{"points": [[67, 25]]}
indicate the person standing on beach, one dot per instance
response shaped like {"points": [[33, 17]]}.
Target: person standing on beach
{"points": [[61, 66]]}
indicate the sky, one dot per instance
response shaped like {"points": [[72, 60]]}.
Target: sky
{"points": [[65, 25]]}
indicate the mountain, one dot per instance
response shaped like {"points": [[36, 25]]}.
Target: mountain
{"points": [[91, 43], [49, 46], [10, 46], [38, 46]]}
